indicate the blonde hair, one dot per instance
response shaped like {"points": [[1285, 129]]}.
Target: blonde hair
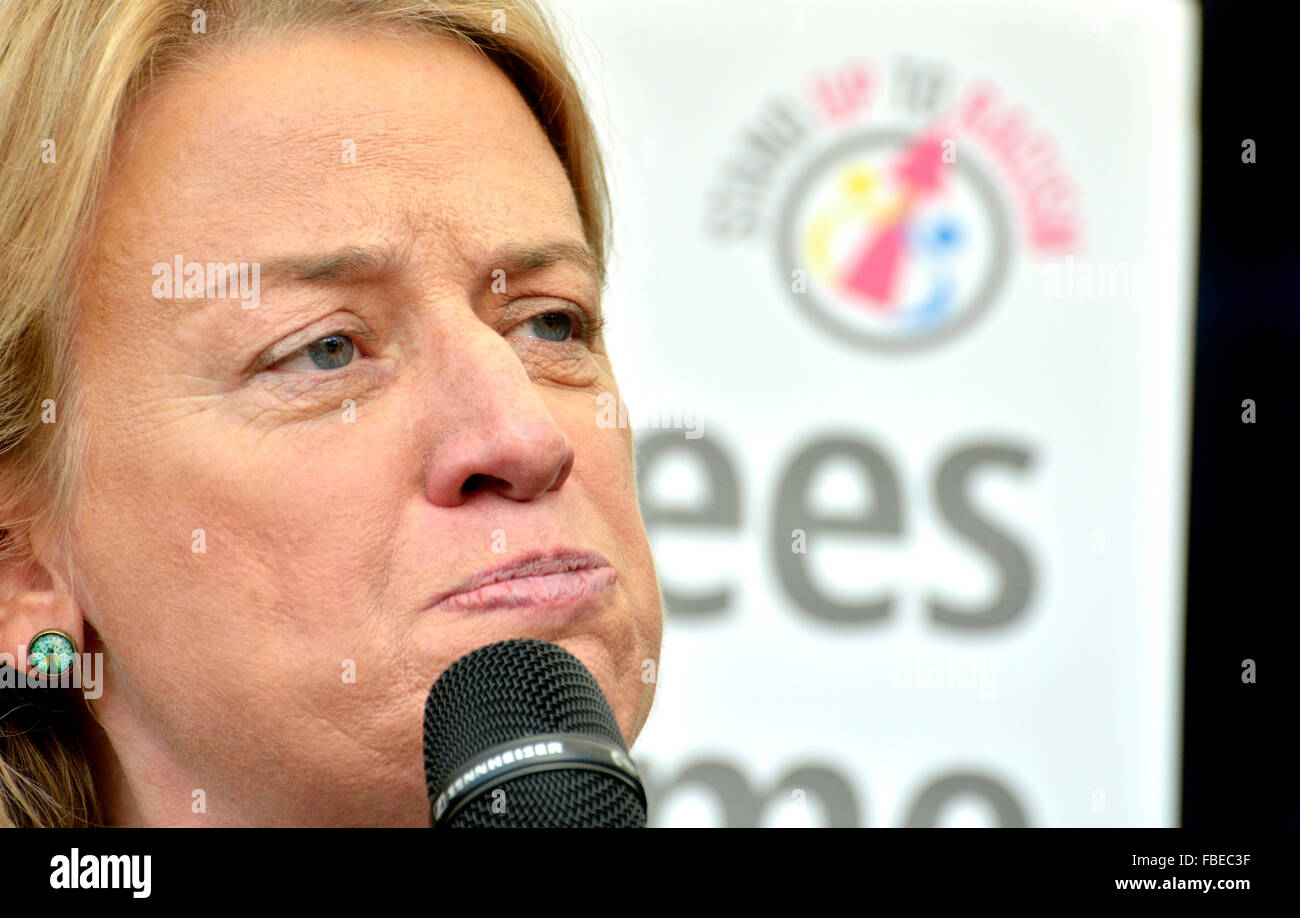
{"points": [[69, 72]]}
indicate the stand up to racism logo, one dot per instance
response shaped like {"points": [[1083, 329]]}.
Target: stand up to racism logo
{"points": [[896, 210]]}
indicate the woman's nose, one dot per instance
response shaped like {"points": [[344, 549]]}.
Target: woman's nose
{"points": [[500, 435]]}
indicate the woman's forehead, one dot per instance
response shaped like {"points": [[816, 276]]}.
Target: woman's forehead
{"points": [[377, 138]]}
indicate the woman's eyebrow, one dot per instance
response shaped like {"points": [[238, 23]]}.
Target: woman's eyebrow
{"points": [[521, 259], [367, 261], [353, 262]]}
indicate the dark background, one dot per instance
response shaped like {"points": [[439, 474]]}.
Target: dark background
{"points": [[1241, 764]]}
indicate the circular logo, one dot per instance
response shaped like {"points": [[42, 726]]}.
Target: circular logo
{"points": [[890, 241]]}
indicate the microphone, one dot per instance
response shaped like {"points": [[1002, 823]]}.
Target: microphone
{"points": [[518, 734]]}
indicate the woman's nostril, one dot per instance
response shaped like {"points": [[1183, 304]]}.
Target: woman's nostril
{"points": [[476, 482]]}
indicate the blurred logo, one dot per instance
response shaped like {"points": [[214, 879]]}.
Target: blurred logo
{"points": [[892, 246], [905, 194]]}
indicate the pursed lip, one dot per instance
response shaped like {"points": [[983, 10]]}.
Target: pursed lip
{"points": [[544, 578]]}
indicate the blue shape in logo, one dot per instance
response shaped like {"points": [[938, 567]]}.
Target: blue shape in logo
{"points": [[933, 245]]}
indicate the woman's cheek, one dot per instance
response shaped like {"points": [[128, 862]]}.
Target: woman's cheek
{"points": [[568, 364], [276, 398]]}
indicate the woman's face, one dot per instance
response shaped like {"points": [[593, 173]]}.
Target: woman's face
{"points": [[280, 485]]}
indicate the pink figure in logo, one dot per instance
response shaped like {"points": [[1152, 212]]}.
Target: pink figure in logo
{"points": [[873, 273]]}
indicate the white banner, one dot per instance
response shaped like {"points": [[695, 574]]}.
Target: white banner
{"points": [[902, 306]]}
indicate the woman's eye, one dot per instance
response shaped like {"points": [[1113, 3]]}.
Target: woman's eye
{"points": [[328, 353], [550, 326]]}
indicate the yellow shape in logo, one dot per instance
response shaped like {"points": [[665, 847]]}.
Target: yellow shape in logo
{"points": [[858, 202]]}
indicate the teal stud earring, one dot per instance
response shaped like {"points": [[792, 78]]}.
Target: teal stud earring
{"points": [[51, 652]]}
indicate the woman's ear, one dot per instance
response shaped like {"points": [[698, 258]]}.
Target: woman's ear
{"points": [[32, 599]]}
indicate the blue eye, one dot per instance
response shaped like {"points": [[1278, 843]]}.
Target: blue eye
{"points": [[550, 326], [328, 353]]}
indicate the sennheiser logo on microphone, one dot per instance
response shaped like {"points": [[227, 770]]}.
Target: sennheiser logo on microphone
{"points": [[501, 759], [535, 751]]}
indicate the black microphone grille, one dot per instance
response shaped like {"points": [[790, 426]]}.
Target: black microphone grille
{"points": [[523, 691]]}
